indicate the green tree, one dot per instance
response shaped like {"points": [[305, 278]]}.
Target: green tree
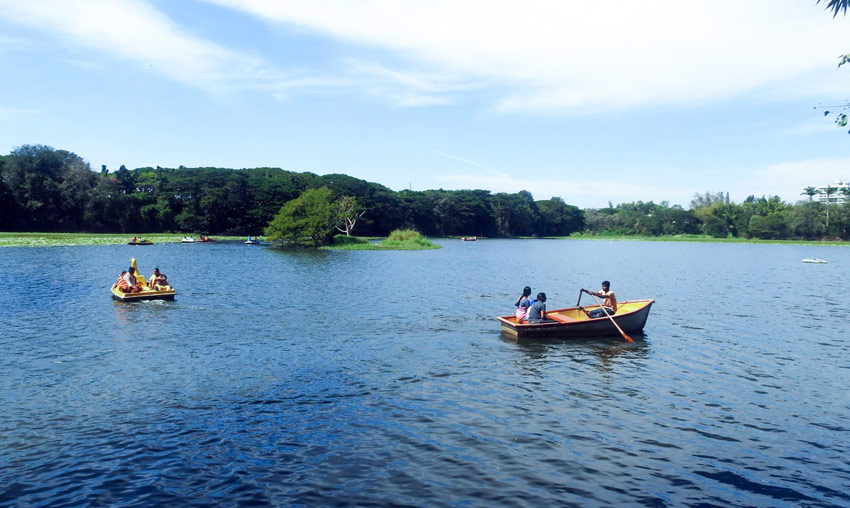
{"points": [[558, 218], [347, 214], [306, 220], [810, 191], [49, 188], [514, 214], [804, 220], [767, 227], [829, 191]]}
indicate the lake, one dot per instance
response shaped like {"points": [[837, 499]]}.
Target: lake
{"points": [[293, 377]]}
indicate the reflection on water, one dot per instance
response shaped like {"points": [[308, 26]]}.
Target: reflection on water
{"points": [[296, 377]]}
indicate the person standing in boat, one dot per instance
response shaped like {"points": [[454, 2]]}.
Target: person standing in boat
{"points": [[158, 278], [522, 304], [609, 305], [537, 312]]}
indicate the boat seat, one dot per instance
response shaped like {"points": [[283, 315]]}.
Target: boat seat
{"points": [[560, 318]]}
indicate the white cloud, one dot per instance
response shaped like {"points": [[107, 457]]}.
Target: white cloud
{"points": [[585, 55], [788, 179], [543, 55], [133, 30], [13, 113]]}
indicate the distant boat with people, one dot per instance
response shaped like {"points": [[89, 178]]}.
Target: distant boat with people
{"points": [[139, 241], [187, 239], [255, 240]]}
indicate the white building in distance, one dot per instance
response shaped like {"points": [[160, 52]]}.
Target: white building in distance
{"points": [[837, 196]]}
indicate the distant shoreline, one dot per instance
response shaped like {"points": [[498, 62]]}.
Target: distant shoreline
{"points": [[77, 239], [82, 239], [704, 239]]}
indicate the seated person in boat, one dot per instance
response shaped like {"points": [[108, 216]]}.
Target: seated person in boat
{"points": [[522, 304], [537, 312], [127, 282], [157, 279], [609, 305]]}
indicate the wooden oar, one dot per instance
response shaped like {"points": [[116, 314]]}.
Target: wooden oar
{"points": [[628, 339]]}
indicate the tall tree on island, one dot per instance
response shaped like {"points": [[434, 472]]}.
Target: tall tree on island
{"points": [[347, 214], [307, 220]]}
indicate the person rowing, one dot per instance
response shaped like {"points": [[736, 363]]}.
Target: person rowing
{"points": [[609, 305]]}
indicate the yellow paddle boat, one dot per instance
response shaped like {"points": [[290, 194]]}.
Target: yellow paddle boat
{"points": [[157, 292]]}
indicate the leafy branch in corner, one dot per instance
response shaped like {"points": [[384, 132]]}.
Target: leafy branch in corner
{"points": [[837, 6]]}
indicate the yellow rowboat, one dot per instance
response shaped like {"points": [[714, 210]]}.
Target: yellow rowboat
{"points": [[147, 293], [573, 322]]}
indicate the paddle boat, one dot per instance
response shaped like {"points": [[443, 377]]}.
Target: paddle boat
{"points": [[573, 322], [187, 239], [252, 241], [139, 241], [147, 293], [205, 239], [814, 260]]}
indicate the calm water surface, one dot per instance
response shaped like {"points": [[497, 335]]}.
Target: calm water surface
{"points": [[382, 378]]}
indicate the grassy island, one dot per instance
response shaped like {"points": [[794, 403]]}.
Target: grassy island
{"points": [[400, 239]]}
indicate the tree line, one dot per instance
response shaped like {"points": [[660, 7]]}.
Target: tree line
{"points": [[43, 189]]}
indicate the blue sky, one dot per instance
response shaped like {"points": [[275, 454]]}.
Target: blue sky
{"points": [[591, 101]]}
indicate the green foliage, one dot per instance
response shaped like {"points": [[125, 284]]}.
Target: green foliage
{"points": [[407, 239], [836, 6], [558, 218], [404, 235], [770, 227], [44, 189], [307, 220], [348, 240], [810, 191], [397, 240]]}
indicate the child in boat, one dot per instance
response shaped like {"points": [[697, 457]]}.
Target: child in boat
{"points": [[522, 304], [157, 279], [537, 311]]}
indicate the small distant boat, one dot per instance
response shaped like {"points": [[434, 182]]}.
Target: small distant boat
{"points": [[814, 260], [573, 322], [205, 239], [139, 241], [468, 238], [147, 293], [252, 241], [187, 239]]}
